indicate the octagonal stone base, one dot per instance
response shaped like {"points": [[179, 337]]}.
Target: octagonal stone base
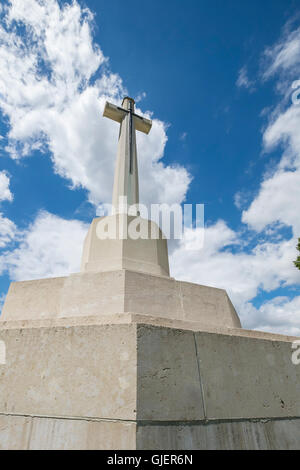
{"points": [[103, 294]]}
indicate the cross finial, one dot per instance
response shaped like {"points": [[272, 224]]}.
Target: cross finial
{"points": [[126, 171], [128, 101]]}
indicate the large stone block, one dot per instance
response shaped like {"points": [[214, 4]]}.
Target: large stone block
{"points": [[86, 371], [168, 387], [145, 386], [248, 377]]}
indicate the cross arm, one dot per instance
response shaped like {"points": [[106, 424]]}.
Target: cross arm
{"points": [[114, 112], [142, 124]]}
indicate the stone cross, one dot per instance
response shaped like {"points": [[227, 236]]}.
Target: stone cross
{"points": [[126, 182]]}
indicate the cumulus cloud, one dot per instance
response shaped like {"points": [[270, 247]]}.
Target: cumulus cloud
{"points": [[5, 193], [49, 247], [7, 231], [280, 315], [244, 275], [277, 201], [265, 264], [279, 194], [54, 81]]}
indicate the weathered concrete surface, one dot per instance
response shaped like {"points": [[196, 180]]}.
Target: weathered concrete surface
{"points": [[214, 376], [231, 435], [163, 297], [167, 375], [77, 295], [116, 292], [247, 377], [87, 371], [182, 388], [46, 433], [36, 433], [129, 318]]}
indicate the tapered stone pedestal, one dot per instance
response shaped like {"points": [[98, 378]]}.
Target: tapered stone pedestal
{"points": [[119, 250]]}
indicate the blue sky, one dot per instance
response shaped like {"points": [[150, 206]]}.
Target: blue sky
{"points": [[216, 78]]}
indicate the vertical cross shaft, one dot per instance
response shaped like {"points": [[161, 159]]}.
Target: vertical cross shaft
{"points": [[126, 170], [130, 137]]}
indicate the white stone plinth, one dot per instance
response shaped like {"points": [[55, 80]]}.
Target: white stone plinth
{"points": [[148, 255]]}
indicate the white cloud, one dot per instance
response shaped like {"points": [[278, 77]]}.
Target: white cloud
{"points": [[140, 96], [243, 80], [279, 194], [284, 55], [241, 199], [277, 201], [2, 300], [266, 264], [280, 315], [47, 94], [7, 231], [50, 247], [5, 193]]}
